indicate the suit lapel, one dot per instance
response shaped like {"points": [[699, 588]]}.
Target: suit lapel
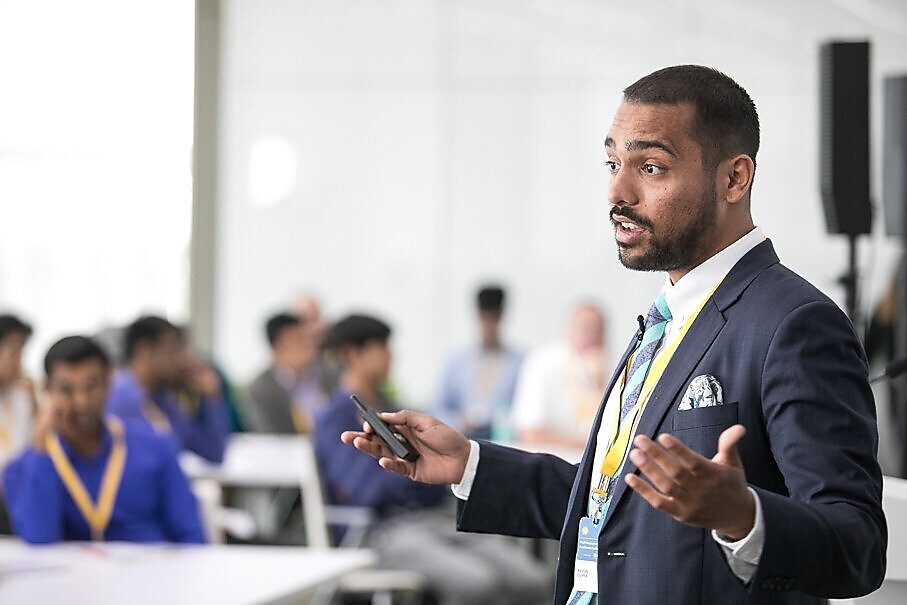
{"points": [[579, 493], [677, 374], [692, 349]]}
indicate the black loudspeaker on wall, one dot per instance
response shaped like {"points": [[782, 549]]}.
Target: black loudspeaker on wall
{"points": [[844, 145], [894, 167]]}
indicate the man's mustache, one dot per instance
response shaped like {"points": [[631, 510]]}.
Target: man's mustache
{"points": [[630, 215]]}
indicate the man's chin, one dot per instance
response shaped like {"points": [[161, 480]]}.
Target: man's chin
{"points": [[632, 258]]}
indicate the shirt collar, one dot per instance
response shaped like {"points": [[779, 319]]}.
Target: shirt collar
{"points": [[684, 297]]}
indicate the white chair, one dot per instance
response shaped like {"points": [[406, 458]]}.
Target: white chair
{"points": [[288, 461]]}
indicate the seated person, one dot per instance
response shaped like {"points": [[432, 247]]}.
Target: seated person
{"points": [[17, 393], [415, 532], [278, 400], [87, 477], [561, 385], [199, 379], [146, 390], [478, 382]]}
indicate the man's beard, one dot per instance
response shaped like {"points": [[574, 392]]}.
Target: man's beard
{"points": [[680, 250]]}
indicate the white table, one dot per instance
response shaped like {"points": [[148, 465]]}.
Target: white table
{"points": [[81, 573], [256, 460]]}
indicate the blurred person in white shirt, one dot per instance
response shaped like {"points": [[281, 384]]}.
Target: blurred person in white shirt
{"points": [[561, 384], [17, 392]]}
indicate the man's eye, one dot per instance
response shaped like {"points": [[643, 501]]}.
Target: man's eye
{"points": [[652, 169], [612, 166]]}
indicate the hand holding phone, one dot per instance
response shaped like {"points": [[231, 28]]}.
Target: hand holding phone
{"points": [[396, 442]]}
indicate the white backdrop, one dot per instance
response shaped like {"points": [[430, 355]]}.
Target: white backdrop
{"points": [[95, 163], [392, 155]]}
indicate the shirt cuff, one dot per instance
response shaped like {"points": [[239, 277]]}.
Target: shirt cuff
{"points": [[743, 555], [461, 490]]}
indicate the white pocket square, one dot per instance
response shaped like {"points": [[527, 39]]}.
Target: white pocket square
{"points": [[704, 391]]}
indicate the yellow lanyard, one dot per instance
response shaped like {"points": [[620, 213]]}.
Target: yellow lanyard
{"points": [[300, 420], [617, 451], [96, 515], [156, 417]]}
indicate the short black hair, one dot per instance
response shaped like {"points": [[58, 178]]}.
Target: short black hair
{"points": [[148, 329], [275, 326], [10, 324], [490, 298], [74, 349], [725, 123], [357, 331]]}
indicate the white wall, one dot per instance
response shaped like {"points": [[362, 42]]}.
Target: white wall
{"points": [[95, 162], [392, 155]]}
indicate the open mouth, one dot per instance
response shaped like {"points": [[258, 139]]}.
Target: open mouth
{"points": [[626, 232]]}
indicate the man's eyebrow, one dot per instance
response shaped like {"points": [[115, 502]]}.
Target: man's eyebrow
{"points": [[642, 145]]}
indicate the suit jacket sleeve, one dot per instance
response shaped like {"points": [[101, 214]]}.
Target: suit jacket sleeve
{"points": [[829, 536], [516, 493], [268, 409]]}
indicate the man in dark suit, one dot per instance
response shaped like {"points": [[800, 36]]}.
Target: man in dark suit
{"points": [[275, 402], [740, 417]]}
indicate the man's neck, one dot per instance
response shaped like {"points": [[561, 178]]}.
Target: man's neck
{"points": [[285, 369], [144, 377], [492, 344], [733, 236], [362, 387], [87, 444]]}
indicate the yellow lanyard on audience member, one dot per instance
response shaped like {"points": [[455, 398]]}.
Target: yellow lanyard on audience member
{"points": [[617, 451], [300, 420], [96, 515], [156, 417]]}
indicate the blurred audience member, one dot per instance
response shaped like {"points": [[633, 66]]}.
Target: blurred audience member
{"points": [[17, 393], [87, 477], [478, 382], [201, 379], [146, 389], [324, 372], [280, 399], [462, 568], [111, 340], [307, 308], [561, 385]]}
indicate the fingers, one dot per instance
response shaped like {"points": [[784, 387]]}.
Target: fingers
{"points": [[656, 499], [647, 465], [366, 443], [407, 418], [661, 456], [396, 465], [727, 446], [348, 436], [686, 457]]}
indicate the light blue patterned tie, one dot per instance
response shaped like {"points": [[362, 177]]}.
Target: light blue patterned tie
{"points": [[655, 323], [657, 319]]}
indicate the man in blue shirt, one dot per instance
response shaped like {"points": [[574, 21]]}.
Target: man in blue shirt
{"points": [[145, 390], [415, 532], [88, 477], [478, 383]]}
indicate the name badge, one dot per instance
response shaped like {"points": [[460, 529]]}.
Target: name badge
{"points": [[585, 568]]}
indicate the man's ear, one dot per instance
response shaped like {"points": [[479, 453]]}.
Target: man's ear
{"points": [[736, 177]]}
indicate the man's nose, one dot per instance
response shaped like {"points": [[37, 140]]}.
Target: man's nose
{"points": [[622, 190]]}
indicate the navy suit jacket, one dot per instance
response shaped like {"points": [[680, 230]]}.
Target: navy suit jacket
{"points": [[795, 375]]}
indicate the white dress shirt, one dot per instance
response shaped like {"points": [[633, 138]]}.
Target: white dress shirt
{"points": [[683, 299]]}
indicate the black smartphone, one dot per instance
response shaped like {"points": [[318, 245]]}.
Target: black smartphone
{"points": [[398, 444]]}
